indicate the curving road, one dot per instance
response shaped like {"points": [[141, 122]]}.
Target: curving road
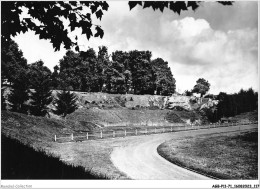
{"points": [[140, 160]]}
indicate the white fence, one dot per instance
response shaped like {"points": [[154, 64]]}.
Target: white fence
{"points": [[140, 131]]}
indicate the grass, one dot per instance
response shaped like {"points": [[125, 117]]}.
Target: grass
{"points": [[128, 117], [23, 162], [93, 155], [224, 157], [37, 133]]}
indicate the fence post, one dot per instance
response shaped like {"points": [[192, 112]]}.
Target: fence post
{"points": [[87, 136], [136, 132], [163, 129], [55, 138], [125, 132], [113, 134], [72, 136], [146, 131], [100, 134]]}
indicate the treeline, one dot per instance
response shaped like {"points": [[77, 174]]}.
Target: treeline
{"points": [[127, 72], [31, 85], [233, 104]]}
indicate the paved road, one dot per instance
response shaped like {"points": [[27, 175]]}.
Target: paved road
{"points": [[140, 160]]}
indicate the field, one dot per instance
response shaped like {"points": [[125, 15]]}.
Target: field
{"points": [[223, 157]]}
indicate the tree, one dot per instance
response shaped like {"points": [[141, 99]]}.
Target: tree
{"points": [[164, 81], [175, 6], [14, 74], [187, 93], [141, 70], [65, 103], [12, 62], [71, 70], [46, 18], [55, 78], [19, 92], [41, 94], [201, 87]]}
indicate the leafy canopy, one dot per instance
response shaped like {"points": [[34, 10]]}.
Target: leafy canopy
{"points": [[201, 87], [175, 6], [47, 19]]}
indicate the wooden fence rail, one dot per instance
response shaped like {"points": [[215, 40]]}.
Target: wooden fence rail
{"points": [[145, 131]]}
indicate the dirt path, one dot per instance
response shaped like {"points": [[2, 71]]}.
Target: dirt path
{"points": [[140, 160]]}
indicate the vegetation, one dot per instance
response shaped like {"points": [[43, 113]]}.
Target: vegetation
{"points": [[24, 162], [230, 105], [19, 94], [128, 72], [40, 81], [47, 20], [201, 87], [65, 103], [205, 154], [38, 132], [175, 6]]}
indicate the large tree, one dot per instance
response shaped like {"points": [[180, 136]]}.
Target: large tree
{"points": [[70, 67], [202, 86], [12, 61], [47, 18], [164, 81], [14, 76], [41, 94]]}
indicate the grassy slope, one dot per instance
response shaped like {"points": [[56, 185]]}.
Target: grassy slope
{"points": [[22, 162], [224, 157], [124, 116], [111, 109], [38, 133]]}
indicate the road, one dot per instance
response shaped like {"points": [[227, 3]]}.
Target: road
{"points": [[140, 160]]}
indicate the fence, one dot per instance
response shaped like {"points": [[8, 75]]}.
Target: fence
{"points": [[140, 131]]}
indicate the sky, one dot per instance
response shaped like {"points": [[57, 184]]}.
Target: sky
{"points": [[218, 43]]}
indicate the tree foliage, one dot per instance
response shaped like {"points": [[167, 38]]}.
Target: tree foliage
{"points": [[65, 103], [175, 6], [233, 104], [164, 83], [14, 75], [19, 93], [12, 62], [41, 94], [201, 87], [47, 19], [127, 72]]}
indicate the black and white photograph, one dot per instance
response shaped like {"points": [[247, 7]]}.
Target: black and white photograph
{"points": [[129, 94]]}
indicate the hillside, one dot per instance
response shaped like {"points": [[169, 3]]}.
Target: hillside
{"points": [[245, 117], [104, 109], [97, 110]]}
